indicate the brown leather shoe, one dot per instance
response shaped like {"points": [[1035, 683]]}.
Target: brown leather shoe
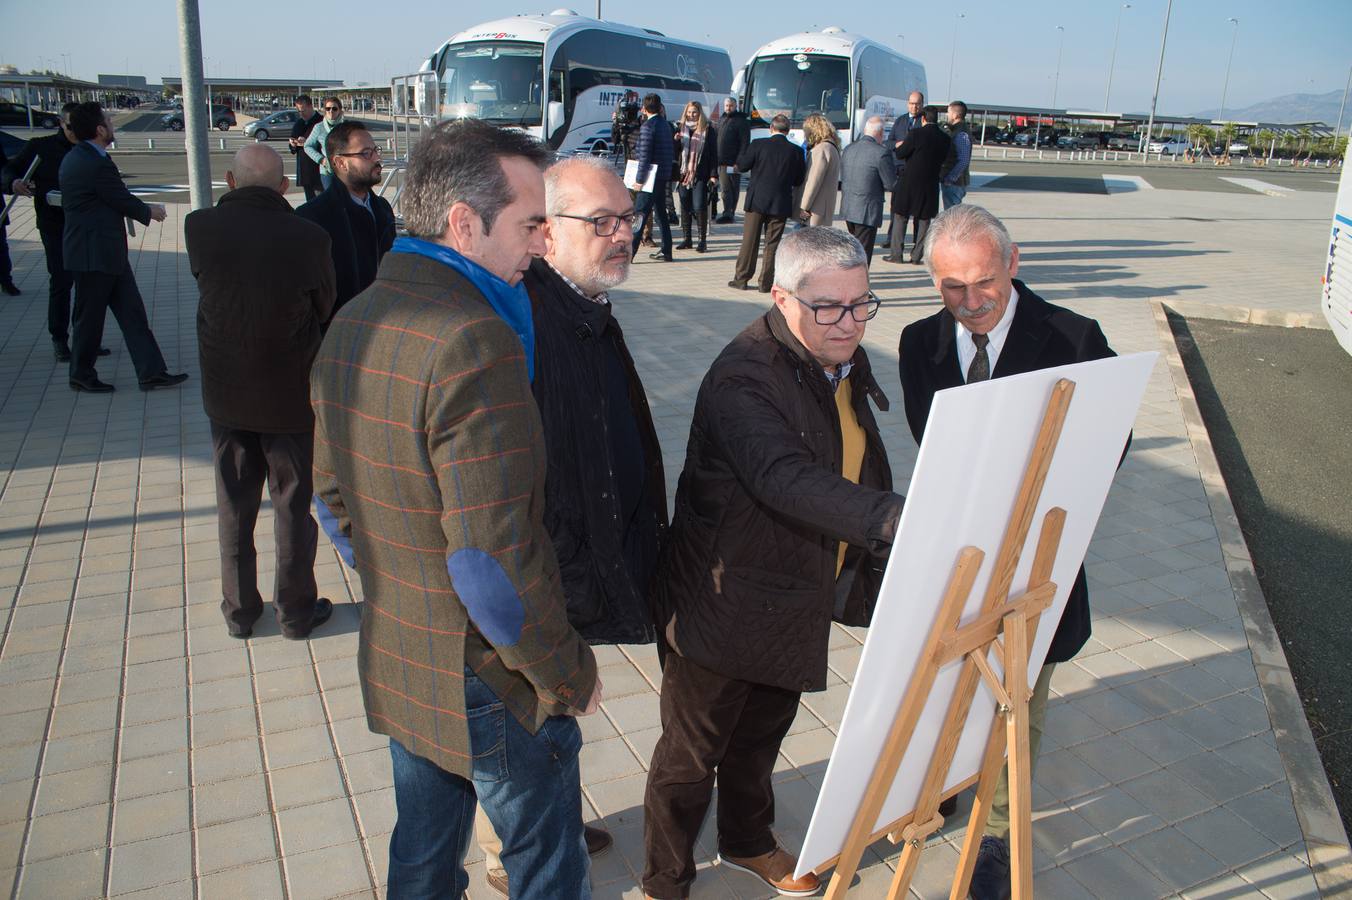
{"points": [[776, 869]]}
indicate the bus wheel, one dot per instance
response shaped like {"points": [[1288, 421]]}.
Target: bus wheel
{"points": [[600, 148]]}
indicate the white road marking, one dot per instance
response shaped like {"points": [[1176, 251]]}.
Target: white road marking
{"points": [[1261, 187], [1124, 184]]}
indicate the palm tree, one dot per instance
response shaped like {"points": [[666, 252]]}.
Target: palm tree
{"points": [[1266, 138]]}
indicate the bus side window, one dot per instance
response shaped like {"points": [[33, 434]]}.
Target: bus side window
{"points": [[556, 86]]}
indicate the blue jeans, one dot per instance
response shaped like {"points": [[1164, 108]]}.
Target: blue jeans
{"points": [[325, 179], [953, 193], [644, 204], [529, 787]]}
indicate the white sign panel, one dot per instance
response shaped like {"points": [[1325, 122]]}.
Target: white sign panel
{"points": [[977, 444]]}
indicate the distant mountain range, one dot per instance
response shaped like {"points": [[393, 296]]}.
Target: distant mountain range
{"points": [[1288, 109]]}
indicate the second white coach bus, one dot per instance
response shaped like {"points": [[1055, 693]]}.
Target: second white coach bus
{"points": [[1336, 297], [846, 77], [559, 76]]}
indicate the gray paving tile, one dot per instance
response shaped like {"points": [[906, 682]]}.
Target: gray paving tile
{"points": [[73, 790], [316, 826], [152, 775], [154, 815], [236, 844], [1281, 877], [1114, 867], [291, 748], [1270, 812], [1174, 859], [329, 872], [1167, 795], [149, 863], [63, 833], [261, 881], [76, 875]]}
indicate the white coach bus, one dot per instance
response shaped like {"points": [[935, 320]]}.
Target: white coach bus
{"points": [[559, 76], [846, 77], [1336, 297]]}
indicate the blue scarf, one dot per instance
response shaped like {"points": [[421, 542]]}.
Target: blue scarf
{"points": [[511, 303]]}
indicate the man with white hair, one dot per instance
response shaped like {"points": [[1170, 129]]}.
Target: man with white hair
{"points": [[605, 491], [867, 171], [257, 337], [783, 514], [992, 326]]}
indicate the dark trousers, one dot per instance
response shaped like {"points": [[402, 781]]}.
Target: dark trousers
{"points": [[311, 192], [59, 283], [244, 461], [97, 293], [644, 204], [6, 266], [899, 226], [712, 727], [752, 226], [731, 187], [866, 235]]}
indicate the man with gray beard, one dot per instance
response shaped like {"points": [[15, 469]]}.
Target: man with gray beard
{"points": [[605, 492]]}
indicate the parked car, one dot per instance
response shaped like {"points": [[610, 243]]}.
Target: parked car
{"points": [[222, 117], [1170, 146], [1077, 142], [16, 115], [1124, 141], [1239, 148], [274, 126]]}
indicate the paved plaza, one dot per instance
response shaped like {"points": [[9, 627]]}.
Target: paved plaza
{"points": [[144, 752]]}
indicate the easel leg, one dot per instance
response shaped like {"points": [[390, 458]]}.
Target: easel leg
{"points": [[1020, 759], [991, 765]]}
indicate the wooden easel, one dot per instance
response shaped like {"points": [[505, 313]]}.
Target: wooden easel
{"points": [[1015, 617]]}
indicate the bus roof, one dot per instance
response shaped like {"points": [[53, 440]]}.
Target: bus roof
{"points": [[831, 41], [537, 27]]}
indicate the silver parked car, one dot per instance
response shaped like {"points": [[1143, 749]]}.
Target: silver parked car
{"points": [[273, 127]]}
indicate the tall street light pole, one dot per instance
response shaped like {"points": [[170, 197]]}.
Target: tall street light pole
{"points": [[1343, 105], [953, 60], [1159, 73], [1234, 36], [1056, 79], [196, 113], [1112, 60]]}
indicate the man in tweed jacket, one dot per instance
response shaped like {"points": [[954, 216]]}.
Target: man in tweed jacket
{"points": [[429, 475]]}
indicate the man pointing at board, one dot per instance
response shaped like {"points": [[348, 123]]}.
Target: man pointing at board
{"points": [[784, 516], [992, 326]]}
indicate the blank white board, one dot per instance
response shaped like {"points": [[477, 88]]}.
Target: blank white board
{"points": [[977, 445]]}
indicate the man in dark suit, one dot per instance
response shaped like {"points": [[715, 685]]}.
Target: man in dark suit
{"points": [[307, 170], [96, 204], [430, 475], [7, 284], [917, 193], [655, 151], [256, 339], [734, 135], [993, 326], [867, 171], [49, 150], [360, 222], [901, 128], [777, 167]]}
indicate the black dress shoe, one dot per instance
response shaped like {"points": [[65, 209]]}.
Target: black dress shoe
{"points": [[91, 386], [738, 285], [10, 288], [764, 289], [598, 840], [164, 379], [990, 877], [62, 350], [659, 256], [323, 610]]}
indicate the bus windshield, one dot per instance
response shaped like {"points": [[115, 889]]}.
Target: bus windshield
{"points": [[499, 82], [797, 85]]}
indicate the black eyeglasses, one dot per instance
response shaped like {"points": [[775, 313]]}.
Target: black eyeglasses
{"points": [[831, 313], [333, 109], [605, 225], [368, 153]]}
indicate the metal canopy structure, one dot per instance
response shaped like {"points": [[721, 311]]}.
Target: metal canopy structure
{"points": [[174, 84]]}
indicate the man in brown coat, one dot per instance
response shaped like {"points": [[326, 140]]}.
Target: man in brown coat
{"points": [[784, 512], [429, 476], [266, 286]]}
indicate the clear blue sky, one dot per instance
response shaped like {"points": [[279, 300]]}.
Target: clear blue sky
{"points": [[1006, 51]]}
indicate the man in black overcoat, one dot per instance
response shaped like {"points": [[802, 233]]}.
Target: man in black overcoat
{"points": [[917, 193], [307, 170], [993, 326]]}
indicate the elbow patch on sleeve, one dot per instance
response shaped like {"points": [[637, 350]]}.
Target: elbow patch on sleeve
{"points": [[329, 523], [491, 600]]}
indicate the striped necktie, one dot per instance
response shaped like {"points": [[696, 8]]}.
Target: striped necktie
{"points": [[980, 369]]}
